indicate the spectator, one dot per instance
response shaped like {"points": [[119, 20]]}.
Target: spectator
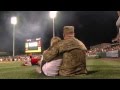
{"points": [[118, 26]]}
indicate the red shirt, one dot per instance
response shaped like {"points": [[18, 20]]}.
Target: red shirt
{"points": [[34, 60]]}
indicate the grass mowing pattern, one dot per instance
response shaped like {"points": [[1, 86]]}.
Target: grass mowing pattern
{"points": [[97, 69]]}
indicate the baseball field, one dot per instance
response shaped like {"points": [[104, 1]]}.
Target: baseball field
{"points": [[97, 69]]}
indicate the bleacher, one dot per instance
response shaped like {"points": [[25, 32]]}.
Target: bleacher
{"points": [[105, 50]]}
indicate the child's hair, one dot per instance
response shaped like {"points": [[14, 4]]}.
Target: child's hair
{"points": [[55, 40]]}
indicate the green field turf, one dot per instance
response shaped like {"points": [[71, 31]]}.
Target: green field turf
{"points": [[97, 69]]}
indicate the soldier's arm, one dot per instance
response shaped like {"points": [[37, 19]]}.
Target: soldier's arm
{"points": [[82, 46], [50, 54]]}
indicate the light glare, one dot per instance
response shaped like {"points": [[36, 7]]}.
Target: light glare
{"points": [[53, 14], [14, 20]]}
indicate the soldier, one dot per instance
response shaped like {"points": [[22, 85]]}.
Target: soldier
{"points": [[73, 51]]}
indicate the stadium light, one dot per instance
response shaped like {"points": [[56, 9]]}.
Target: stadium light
{"points": [[53, 14], [13, 22]]}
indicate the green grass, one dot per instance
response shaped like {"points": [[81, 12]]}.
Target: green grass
{"points": [[97, 69]]}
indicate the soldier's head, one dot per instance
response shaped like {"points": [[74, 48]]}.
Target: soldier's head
{"points": [[68, 32], [55, 40]]}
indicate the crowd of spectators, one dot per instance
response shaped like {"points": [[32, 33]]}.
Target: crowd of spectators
{"points": [[106, 48], [17, 57]]}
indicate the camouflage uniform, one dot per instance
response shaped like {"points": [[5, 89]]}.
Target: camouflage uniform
{"points": [[74, 56]]}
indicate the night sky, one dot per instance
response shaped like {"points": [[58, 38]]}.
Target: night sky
{"points": [[91, 27]]}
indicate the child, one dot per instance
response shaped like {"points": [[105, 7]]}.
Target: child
{"points": [[51, 68], [27, 62], [32, 60]]}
